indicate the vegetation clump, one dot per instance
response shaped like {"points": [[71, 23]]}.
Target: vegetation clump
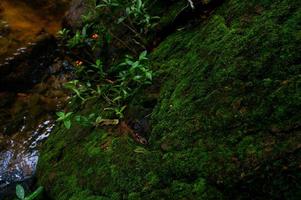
{"points": [[224, 108]]}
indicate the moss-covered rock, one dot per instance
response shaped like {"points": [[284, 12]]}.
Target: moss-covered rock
{"points": [[226, 124]]}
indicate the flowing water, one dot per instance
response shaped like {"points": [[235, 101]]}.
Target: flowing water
{"points": [[27, 119], [27, 116]]}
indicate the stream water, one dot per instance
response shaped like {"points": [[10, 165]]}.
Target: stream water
{"points": [[27, 115], [20, 24]]}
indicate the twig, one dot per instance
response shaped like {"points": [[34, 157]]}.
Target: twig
{"points": [[191, 4], [123, 43]]}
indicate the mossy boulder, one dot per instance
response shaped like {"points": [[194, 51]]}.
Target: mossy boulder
{"points": [[226, 124]]}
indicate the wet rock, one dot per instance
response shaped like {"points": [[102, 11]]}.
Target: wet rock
{"points": [[73, 17]]}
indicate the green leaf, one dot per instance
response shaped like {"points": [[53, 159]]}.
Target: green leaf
{"points": [[98, 120], [67, 124], [68, 114], [137, 78], [98, 62], [121, 19], [129, 62], [117, 98], [141, 150], [104, 136], [149, 75], [84, 31], [35, 194], [142, 56], [100, 6], [78, 118], [139, 4], [60, 114], [128, 11], [20, 192], [114, 4], [92, 115], [135, 64], [123, 108]]}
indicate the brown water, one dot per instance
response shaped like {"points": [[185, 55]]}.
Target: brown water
{"points": [[20, 24], [27, 117]]}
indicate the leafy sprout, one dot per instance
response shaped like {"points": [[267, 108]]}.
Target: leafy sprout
{"points": [[63, 33], [20, 193], [76, 87], [65, 118], [99, 67]]}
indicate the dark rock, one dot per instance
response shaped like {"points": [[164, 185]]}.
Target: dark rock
{"points": [[6, 98], [9, 191], [73, 17]]}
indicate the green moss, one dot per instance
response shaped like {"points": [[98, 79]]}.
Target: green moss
{"points": [[225, 125], [224, 90]]}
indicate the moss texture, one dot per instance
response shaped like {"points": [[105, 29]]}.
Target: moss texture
{"points": [[226, 124]]}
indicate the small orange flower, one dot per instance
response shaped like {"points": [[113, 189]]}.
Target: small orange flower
{"points": [[95, 36], [79, 63]]}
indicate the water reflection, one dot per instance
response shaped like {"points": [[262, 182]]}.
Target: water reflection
{"points": [[26, 120], [18, 161], [20, 24]]}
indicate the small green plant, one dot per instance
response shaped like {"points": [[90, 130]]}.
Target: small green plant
{"points": [[65, 118], [131, 75], [81, 38], [88, 17], [107, 3], [76, 40], [63, 34], [119, 83], [20, 192], [86, 121], [131, 14], [119, 111], [136, 70], [76, 87], [137, 13], [98, 66]]}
